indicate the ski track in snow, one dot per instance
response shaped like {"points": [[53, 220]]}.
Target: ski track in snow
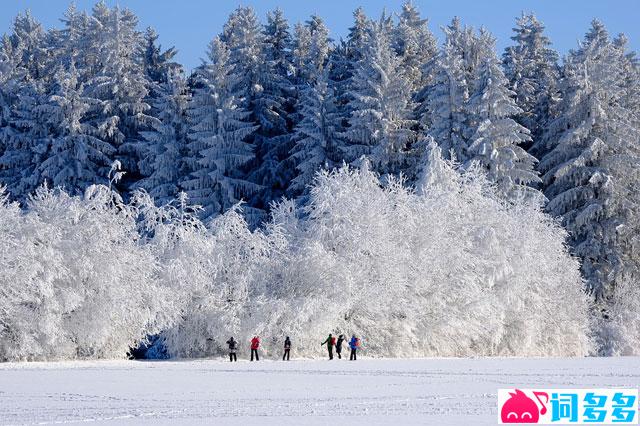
{"points": [[309, 392]]}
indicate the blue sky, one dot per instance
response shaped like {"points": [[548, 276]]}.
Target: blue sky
{"points": [[190, 24]]}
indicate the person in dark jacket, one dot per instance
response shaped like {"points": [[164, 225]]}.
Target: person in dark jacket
{"points": [[339, 342], [330, 342], [233, 346], [354, 344], [287, 348], [255, 344]]}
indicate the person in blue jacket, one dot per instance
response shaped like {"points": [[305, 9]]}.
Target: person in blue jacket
{"points": [[354, 344]]}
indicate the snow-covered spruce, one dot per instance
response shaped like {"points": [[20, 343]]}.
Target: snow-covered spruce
{"points": [[590, 172], [218, 132], [495, 144], [381, 108]]}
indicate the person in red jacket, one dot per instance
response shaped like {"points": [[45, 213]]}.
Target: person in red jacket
{"points": [[255, 344]]}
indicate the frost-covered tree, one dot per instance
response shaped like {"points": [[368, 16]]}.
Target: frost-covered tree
{"points": [[27, 139], [630, 69], [23, 131], [531, 67], [158, 64], [443, 110], [159, 67], [619, 330], [219, 131], [315, 134], [496, 144], [8, 90], [591, 170], [434, 173], [223, 291], [87, 277], [278, 48], [343, 59], [311, 50], [76, 158], [414, 44], [259, 90], [164, 161], [277, 39], [82, 286], [364, 245], [119, 80], [380, 122], [78, 42], [28, 40]]}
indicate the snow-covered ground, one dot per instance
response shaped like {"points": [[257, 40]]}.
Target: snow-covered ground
{"points": [[370, 391]]}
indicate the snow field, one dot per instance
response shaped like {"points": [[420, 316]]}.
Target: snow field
{"points": [[370, 391]]}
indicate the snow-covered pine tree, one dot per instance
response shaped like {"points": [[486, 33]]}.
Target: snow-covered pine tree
{"points": [[28, 40], [415, 45], [592, 169], [380, 122], [219, 131], [315, 115], [358, 34], [76, 158], [82, 40], [261, 91], [434, 173], [319, 48], [631, 76], [279, 49], [163, 163], [311, 49], [495, 145], [27, 138], [315, 134], [9, 88], [158, 64], [158, 67], [531, 67], [23, 133], [277, 39], [301, 45], [72, 40], [118, 79], [442, 112], [343, 59]]}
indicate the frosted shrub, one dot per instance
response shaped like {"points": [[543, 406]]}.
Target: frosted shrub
{"points": [[211, 272], [78, 283], [452, 272], [619, 331], [448, 270]]}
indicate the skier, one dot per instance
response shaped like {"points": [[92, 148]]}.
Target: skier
{"points": [[354, 344], [233, 346], [341, 339], [255, 344], [330, 342], [287, 348]]}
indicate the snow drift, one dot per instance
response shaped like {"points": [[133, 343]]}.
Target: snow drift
{"points": [[447, 270]]}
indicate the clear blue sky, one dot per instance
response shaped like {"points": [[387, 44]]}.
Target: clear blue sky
{"points": [[190, 24]]}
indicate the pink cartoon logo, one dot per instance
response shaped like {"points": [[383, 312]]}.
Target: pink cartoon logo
{"points": [[519, 408]]}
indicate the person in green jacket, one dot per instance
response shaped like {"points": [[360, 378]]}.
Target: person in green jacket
{"points": [[330, 342]]}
